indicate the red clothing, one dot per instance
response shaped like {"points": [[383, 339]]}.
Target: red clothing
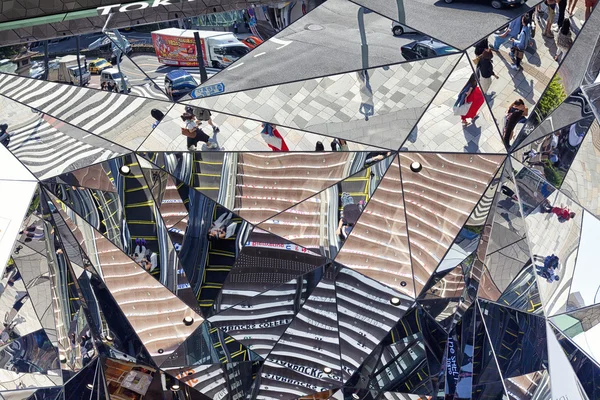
{"points": [[476, 99], [562, 213], [283, 146]]}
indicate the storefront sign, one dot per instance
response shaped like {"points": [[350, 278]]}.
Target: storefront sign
{"points": [[138, 5]]}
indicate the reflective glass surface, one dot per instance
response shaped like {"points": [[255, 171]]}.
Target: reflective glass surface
{"points": [[311, 200]]}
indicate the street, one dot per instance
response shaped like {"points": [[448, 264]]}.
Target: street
{"points": [[138, 68], [464, 22], [326, 41]]}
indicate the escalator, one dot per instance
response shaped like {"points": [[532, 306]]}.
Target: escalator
{"points": [[206, 173], [139, 211]]}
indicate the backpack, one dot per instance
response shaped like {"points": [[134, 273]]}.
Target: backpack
{"points": [[157, 114]]}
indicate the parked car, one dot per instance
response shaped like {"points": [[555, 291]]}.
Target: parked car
{"points": [[424, 49], [113, 76], [179, 83], [252, 42], [98, 65], [399, 29], [497, 4]]}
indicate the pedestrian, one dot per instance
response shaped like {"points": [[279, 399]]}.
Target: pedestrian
{"points": [[319, 147], [562, 9], [589, 7], [512, 31], [103, 86], [550, 20], [273, 138], [486, 70], [218, 230], [4, 135], [564, 40], [521, 43], [508, 192], [157, 115], [515, 112], [202, 115], [562, 212], [552, 157], [339, 145], [481, 46], [474, 96], [194, 134], [529, 155]]}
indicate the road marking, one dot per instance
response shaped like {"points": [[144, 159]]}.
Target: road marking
{"points": [[279, 41], [260, 54], [239, 65]]}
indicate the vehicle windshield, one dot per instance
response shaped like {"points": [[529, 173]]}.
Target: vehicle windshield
{"points": [[117, 75], [101, 63], [235, 51], [76, 71], [185, 79]]}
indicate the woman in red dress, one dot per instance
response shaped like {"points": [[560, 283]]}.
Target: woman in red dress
{"points": [[475, 97]]}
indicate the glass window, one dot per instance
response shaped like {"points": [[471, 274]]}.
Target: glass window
{"points": [[236, 51]]}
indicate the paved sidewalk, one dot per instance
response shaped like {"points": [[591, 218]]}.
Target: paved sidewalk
{"points": [[538, 68], [440, 130]]}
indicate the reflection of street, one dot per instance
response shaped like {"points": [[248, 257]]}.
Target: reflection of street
{"points": [[146, 75]]}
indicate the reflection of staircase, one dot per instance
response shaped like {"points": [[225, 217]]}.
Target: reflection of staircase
{"points": [[206, 173], [219, 260], [139, 211]]}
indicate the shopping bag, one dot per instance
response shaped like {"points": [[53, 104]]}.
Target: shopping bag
{"points": [[461, 109]]}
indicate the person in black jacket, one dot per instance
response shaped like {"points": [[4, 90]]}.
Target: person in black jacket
{"points": [[486, 70]]}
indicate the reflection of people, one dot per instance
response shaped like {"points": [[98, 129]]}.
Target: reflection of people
{"points": [[511, 32], [474, 96], [218, 230], [548, 269], [273, 138], [521, 43], [564, 40], [562, 212], [4, 135], [367, 107], [202, 115], [319, 146], [339, 145], [486, 70], [515, 114], [350, 214], [194, 134]]}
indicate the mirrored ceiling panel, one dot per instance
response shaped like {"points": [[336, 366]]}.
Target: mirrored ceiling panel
{"points": [[376, 106]]}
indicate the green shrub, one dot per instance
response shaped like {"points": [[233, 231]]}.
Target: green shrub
{"points": [[551, 99], [552, 175]]}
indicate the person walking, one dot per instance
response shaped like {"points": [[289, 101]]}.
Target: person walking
{"points": [[474, 96], [589, 7], [521, 43], [516, 111], [319, 147], [562, 10], [194, 134], [512, 31], [486, 70], [202, 115], [273, 138], [550, 20], [564, 40], [571, 7]]}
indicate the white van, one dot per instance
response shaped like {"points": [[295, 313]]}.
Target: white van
{"points": [[113, 76]]}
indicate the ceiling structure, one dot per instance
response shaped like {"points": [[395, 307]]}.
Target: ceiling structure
{"points": [[415, 263]]}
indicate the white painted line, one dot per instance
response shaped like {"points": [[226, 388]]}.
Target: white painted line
{"points": [[260, 54], [239, 65], [279, 41]]}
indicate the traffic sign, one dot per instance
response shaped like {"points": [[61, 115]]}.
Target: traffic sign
{"points": [[207, 91]]}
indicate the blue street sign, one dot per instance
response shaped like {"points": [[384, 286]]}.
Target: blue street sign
{"points": [[207, 91]]}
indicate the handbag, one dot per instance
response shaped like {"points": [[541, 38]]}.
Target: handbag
{"points": [[476, 60], [188, 133]]}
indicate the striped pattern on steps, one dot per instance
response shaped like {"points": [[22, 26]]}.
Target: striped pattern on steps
{"points": [[47, 152], [99, 112]]}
